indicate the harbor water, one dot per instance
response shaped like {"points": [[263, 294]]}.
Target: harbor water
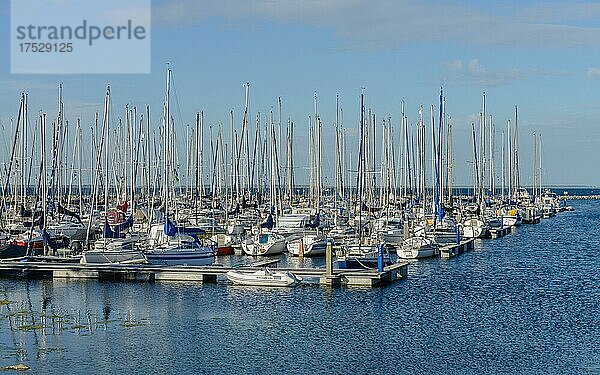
{"points": [[527, 303]]}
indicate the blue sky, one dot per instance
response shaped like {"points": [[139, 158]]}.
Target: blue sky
{"points": [[541, 56]]}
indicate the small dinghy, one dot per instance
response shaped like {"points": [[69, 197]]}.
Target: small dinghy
{"points": [[265, 277]]}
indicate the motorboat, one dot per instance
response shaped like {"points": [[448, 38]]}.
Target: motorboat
{"points": [[264, 277]]}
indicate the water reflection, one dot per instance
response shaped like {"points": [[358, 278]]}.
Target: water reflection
{"points": [[35, 313]]}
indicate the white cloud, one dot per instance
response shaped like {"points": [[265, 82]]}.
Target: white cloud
{"points": [[454, 65], [593, 73], [391, 23], [475, 68], [473, 73]]}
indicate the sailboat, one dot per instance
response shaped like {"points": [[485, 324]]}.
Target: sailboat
{"points": [[310, 244], [181, 246], [175, 245], [115, 246], [361, 253], [418, 247], [474, 227], [265, 242]]}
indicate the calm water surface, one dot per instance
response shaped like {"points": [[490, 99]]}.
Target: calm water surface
{"points": [[528, 303]]}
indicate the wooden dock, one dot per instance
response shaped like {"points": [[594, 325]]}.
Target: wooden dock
{"points": [[206, 274], [449, 251], [500, 232]]}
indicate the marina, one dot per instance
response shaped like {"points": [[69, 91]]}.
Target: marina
{"points": [[141, 221], [149, 215], [299, 187]]}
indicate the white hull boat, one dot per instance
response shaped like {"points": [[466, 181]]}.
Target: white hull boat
{"points": [[264, 244], [117, 250], [184, 254], [112, 256], [418, 247], [509, 221], [510, 217], [309, 245], [266, 277], [393, 237], [473, 228]]}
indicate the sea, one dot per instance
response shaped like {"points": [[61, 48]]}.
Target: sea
{"points": [[527, 303]]}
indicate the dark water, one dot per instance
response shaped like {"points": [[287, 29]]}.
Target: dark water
{"points": [[528, 303]]}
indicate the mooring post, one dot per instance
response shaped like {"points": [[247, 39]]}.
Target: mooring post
{"points": [[328, 259], [380, 257], [457, 235]]}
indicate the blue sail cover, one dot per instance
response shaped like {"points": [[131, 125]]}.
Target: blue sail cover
{"points": [[171, 229], [108, 232], [441, 212], [268, 223], [315, 223]]}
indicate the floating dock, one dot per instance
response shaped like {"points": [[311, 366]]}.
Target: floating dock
{"points": [[449, 251], [500, 232], [206, 274]]}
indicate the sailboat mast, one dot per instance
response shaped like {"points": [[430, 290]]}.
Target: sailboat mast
{"points": [[44, 189], [450, 162], [106, 147], [438, 158], [516, 147], [541, 175], [433, 161], [148, 166], [476, 190], [166, 133], [535, 167], [491, 150], [361, 165], [80, 166], [503, 167]]}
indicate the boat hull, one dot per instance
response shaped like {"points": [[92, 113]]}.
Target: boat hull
{"points": [[95, 256], [268, 248], [310, 247], [418, 247], [178, 258], [262, 278]]}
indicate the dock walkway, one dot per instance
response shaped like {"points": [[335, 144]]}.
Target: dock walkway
{"points": [[207, 274]]}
